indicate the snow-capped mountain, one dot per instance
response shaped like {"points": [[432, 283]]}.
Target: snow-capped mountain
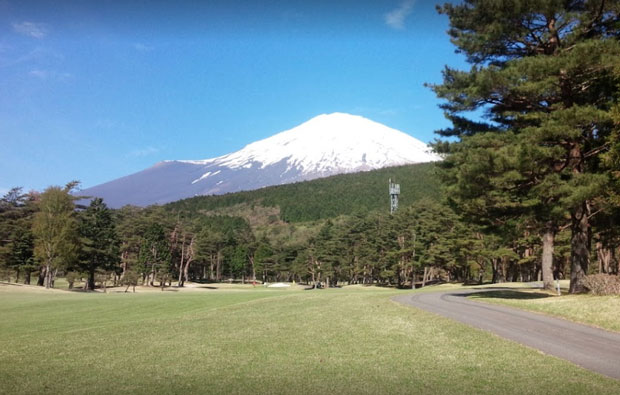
{"points": [[325, 145]]}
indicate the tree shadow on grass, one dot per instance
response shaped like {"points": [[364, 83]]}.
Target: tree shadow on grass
{"points": [[507, 294]]}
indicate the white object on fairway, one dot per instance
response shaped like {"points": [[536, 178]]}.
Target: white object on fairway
{"points": [[278, 285]]}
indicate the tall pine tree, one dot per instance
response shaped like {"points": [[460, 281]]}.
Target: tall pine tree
{"points": [[99, 241], [543, 74]]}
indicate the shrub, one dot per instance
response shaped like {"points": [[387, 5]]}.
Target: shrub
{"points": [[602, 284], [71, 277], [130, 279]]}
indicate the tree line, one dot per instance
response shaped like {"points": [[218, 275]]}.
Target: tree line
{"points": [[48, 235]]}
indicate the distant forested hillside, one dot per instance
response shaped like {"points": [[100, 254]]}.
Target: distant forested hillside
{"points": [[329, 197]]}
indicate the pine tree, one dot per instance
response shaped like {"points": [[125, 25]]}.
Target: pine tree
{"points": [[328, 252], [544, 74], [16, 240], [130, 226], [154, 256], [99, 241]]}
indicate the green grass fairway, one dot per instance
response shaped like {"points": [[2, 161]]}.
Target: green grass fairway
{"points": [[260, 341]]}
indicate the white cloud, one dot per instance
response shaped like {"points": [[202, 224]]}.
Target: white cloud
{"points": [[143, 47], [109, 124], [143, 152], [396, 18], [37, 55], [49, 75], [31, 29], [41, 74]]}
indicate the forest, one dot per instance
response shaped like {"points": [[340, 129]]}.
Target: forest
{"points": [[528, 189], [235, 237]]}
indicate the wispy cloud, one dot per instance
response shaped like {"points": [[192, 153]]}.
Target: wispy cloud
{"points": [[396, 18], [143, 47], [31, 29], [140, 152], [39, 55], [40, 74], [49, 75], [109, 124]]}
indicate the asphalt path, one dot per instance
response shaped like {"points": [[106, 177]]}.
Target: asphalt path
{"points": [[591, 348]]}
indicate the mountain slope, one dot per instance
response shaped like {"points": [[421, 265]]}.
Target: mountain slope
{"points": [[326, 197], [323, 146]]}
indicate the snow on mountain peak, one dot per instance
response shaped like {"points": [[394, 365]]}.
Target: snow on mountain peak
{"points": [[325, 145], [330, 144]]}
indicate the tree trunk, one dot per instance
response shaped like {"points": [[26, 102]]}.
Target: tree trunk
{"points": [[548, 239], [91, 279], [211, 267], [495, 264], [424, 276], [218, 267], [124, 257], [48, 276], [580, 248], [181, 263], [181, 272], [27, 277], [186, 271], [42, 276], [605, 257], [251, 256], [151, 281], [188, 259]]}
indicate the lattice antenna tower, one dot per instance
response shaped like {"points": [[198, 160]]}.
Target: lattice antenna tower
{"points": [[394, 192]]}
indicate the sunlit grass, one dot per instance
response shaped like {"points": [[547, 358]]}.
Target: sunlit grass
{"points": [[349, 340], [600, 311]]}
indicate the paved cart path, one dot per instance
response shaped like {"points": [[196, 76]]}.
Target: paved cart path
{"points": [[594, 349]]}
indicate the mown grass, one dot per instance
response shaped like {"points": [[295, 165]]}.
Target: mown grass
{"points": [[263, 341], [600, 311]]}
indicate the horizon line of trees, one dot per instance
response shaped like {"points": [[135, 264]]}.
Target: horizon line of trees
{"points": [[47, 234]]}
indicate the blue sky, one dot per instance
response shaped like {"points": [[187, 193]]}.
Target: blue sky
{"points": [[95, 90]]}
